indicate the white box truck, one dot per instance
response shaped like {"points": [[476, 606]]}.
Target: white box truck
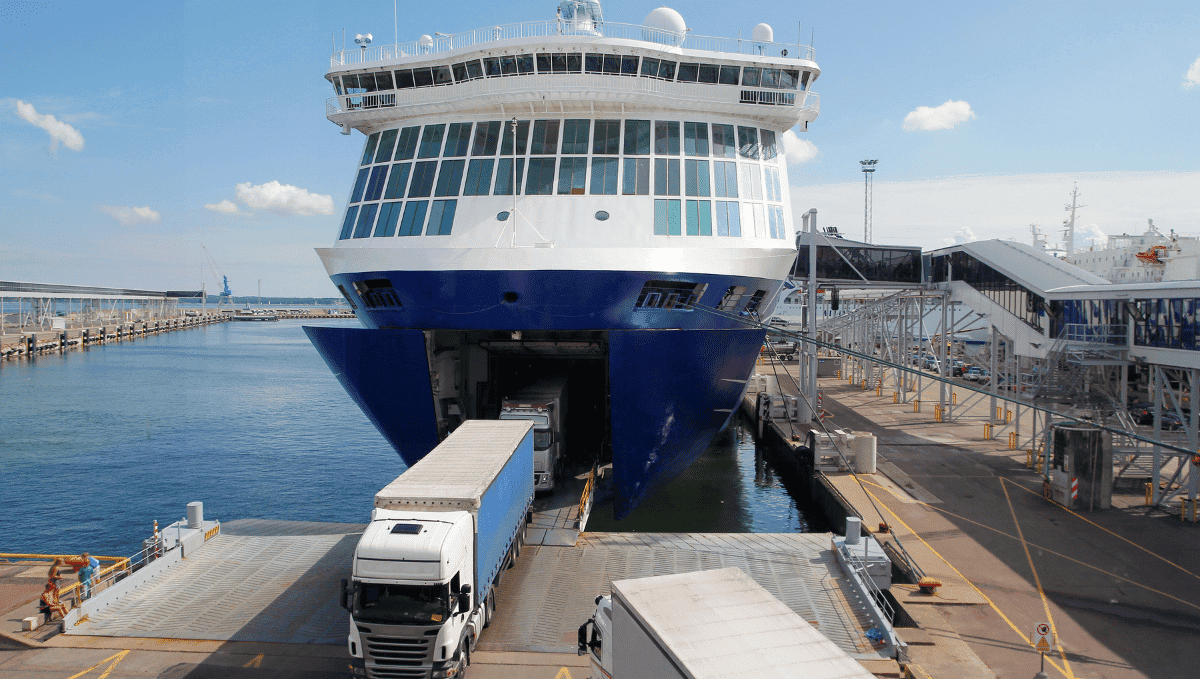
{"points": [[424, 570], [544, 403], [702, 625]]}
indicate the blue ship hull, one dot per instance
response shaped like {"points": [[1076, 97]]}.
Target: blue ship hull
{"points": [[674, 376]]}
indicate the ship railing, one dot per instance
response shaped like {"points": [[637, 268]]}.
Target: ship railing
{"points": [[546, 29], [520, 87], [1099, 333]]}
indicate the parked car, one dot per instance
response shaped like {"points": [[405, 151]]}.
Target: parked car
{"points": [[975, 374], [1143, 414]]}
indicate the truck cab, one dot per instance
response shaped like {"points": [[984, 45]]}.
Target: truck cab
{"points": [[591, 639], [410, 596]]}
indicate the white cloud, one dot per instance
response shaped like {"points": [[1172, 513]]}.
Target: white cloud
{"points": [[1089, 235], [59, 131], [962, 234], [1193, 75], [797, 150], [934, 213], [225, 207], [284, 199], [941, 117], [128, 216]]}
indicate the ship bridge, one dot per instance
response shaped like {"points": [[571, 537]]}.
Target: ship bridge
{"points": [[559, 65]]}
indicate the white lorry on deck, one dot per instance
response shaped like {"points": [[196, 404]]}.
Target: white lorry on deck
{"points": [[702, 625], [440, 535], [544, 403]]}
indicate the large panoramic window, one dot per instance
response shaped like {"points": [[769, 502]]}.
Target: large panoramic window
{"points": [[541, 177], [575, 136], [729, 222], [666, 177], [695, 139], [545, 138], [725, 179], [521, 135], [389, 215], [366, 219], [607, 140], [458, 138], [450, 178], [699, 218], [506, 183], [406, 146], [487, 138], [667, 218], [479, 178], [695, 178], [375, 185], [431, 141], [666, 138], [397, 180], [441, 217], [637, 177], [414, 218], [348, 223], [724, 143], [387, 142], [637, 138], [422, 179], [604, 176], [572, 176]]}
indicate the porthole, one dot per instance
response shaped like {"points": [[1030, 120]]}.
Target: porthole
{"points": [[502, 217], [602, 215]]}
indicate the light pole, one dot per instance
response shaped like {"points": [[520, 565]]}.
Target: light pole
{"points": [[868, 168]]}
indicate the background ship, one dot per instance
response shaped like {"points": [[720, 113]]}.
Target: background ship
{"points": [[570, 196]]}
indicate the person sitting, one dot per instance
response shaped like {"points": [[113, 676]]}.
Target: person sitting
{"points": [[50, 604]]}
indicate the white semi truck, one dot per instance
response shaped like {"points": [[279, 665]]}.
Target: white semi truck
{"points": [[702, 625], [440, 535], [544, 403]]}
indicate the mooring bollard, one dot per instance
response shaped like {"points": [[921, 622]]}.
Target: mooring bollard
{"points": [[1149, 493], [917, 405], [895, 397], [987, 431], [1012, 440], [1007, 417], [953, 399]]}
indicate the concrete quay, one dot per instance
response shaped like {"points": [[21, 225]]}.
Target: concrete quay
{"points": [[33, 342], [1120, 588]]}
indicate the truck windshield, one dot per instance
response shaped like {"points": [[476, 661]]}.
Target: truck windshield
{"points": [[402, 604], [541, 439]]}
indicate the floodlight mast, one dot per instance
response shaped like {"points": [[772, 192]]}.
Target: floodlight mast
{"points": [[868, 168]]}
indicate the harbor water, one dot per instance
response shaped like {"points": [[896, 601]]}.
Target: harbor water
{"points": [[96, 443]]}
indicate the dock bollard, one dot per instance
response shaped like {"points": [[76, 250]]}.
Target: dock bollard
{"points": [[1149, 493], [1029, 458], [895, 397], [1012, 440], [937, 412], [864, 385], [999, 413], [879, 389], [953, 399], [987, 431], [839, 374], [916, 405]]}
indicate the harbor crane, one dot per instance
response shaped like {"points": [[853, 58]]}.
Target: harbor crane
{"points": [[226, 295]]}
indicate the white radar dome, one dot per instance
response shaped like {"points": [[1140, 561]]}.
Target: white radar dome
{"points": [[425, 40], [763, 33], [666, 19]]}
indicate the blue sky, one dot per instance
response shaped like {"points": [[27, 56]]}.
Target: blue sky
{"points": [[120, 122]]}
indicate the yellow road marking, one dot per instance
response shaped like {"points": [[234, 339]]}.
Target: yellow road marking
{"points": [[1037, 580], [1044, 549], [1157, 556], [563, 674], [255, 662], [115, 657], [965, 579]]}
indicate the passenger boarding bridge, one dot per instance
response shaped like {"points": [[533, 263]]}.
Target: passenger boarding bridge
{"points": [[1058, 343]]}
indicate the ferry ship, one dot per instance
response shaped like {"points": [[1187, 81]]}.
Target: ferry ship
{"points": [[570, 196]]}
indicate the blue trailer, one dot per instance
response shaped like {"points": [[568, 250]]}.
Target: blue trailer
{"points": [[440, 535]]}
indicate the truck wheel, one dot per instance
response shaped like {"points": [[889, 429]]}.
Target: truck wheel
{"points": [[489, 609], [517, 543], [465, 651]]}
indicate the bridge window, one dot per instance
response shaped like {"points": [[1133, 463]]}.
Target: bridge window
{"points": [[604, 176], [699, 218], [751, 182], [695, 139], [479, 178], [575, 136], [629, 65], [666, 177], [375, 185], [414, 218], [670, 295], [748, 142], [666, 218], [450, 178], [545, 138], [423, 77], [769, 150], [387, 141], [696, 178], [708, 73], [688, 72], [607, 140], [441, 218], [729, 75], [422, 179], [724, 143], [774, 190], [348, 223], [487, 138], [431, 141], [404, 80], [398, 180], [389, 214], [751, 76], [360, 183], [637, 137], [637, 177], [366, 219], [572, 176], [729, 222], [506, 183], [666, 138], [458, 138], [406, 147], [540, 181], [369, 149]]}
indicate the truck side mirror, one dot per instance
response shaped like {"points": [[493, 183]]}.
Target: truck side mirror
{"points": [[583, 641], [464, 599], [344, 596]]}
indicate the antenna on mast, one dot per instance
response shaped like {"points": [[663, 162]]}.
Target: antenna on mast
{"points": [[1069, 224]]}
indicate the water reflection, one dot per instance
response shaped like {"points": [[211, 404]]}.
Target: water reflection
{"points": [[731, 488]]}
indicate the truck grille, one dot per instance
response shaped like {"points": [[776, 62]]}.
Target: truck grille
{"points": [[407, 656]]}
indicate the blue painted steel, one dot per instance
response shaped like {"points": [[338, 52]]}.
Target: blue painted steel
{"points": [[386, 372], [502, 514], [546, 300], [671, 392]]}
